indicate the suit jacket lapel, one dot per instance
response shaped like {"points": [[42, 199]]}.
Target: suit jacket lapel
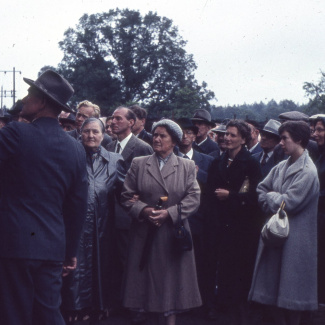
{"points": [[196, 157], [129, 148]]}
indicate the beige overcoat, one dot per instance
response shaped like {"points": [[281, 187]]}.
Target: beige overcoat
{"points": [[168, 282]]}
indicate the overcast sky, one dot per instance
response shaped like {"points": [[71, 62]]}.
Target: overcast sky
{"points": [[246, 50]]}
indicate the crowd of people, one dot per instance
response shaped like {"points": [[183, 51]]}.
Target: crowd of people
{"points": [[91, 205]]}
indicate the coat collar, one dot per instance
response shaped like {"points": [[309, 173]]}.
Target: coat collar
{"points": [[104, 154], [298, 165], [161, 175]]}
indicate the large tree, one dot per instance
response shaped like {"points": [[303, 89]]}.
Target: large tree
{"points": [[120, 57], [316, 94]]}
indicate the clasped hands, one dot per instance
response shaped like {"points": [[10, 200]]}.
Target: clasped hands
{"points": [[155, 217]]}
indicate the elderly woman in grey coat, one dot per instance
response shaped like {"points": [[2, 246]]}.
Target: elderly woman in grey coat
{"points": [[166, 282], [88, 292], [286, 277]]}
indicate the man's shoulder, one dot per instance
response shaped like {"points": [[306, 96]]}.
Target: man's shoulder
{"points": [[199, 156], [74, 133], [209, 145], [139, 145], [145, 136], [257, 155]]}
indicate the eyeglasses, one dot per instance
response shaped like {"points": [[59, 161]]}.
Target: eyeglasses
{"points": [[318, 130], [187, 132]]}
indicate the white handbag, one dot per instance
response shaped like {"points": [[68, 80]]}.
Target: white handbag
{"points": [[276, 231]]}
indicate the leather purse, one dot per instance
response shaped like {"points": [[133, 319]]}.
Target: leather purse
{"points": [[182, 237], [276, 231]]}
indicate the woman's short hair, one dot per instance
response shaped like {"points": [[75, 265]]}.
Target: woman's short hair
{"points": [[93, 119], [172, 128], [318, 119], [242, 127], [299, 131]]}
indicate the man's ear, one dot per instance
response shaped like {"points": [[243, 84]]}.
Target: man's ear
{"points": [[132, 121]]}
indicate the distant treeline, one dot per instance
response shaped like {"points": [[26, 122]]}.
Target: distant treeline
{"points": [[259, 112]]}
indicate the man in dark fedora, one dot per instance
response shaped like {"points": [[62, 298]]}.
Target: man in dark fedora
{"points": [[5, 118], [202, 161], [203, 143], [43, 205], [67, 121], [269, 140]]}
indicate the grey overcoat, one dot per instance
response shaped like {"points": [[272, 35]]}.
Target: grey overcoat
{"points": [[168, 281], [287, 277]]}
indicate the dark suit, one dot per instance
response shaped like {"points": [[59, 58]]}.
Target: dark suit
{"points": [[107, 139], [145, 136], [203, 162], [134, 148], [43, 205], [257, 149], [206, 147], [196, 221], [266, 168]]}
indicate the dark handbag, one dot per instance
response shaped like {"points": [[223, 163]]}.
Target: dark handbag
{"points": [[182, 237]]}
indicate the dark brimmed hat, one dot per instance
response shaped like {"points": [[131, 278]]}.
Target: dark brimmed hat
{"points": [[203, 116], [6, 117], [294, 116], [71, 118], [186, 123], [272, 126], [55, 87]]}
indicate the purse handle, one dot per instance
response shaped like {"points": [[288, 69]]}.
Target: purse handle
{"points": [[281, 212]]}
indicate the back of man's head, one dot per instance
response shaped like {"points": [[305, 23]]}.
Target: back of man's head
{"points": [[140, 112]]}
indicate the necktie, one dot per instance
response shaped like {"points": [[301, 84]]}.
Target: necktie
{"points": [[118, 148], [186, 157], [263, 162]]}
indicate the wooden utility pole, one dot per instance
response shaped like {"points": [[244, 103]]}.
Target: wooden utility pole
{"points": [[13, 92]]}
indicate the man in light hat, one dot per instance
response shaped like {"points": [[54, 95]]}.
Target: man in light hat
{"points": [[269, 139], [220, 131], [203, 143], [43, 205]]}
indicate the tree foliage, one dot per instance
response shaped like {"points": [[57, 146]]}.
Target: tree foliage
{"points": [[260, 112], [120, 56], [316, 95]]}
